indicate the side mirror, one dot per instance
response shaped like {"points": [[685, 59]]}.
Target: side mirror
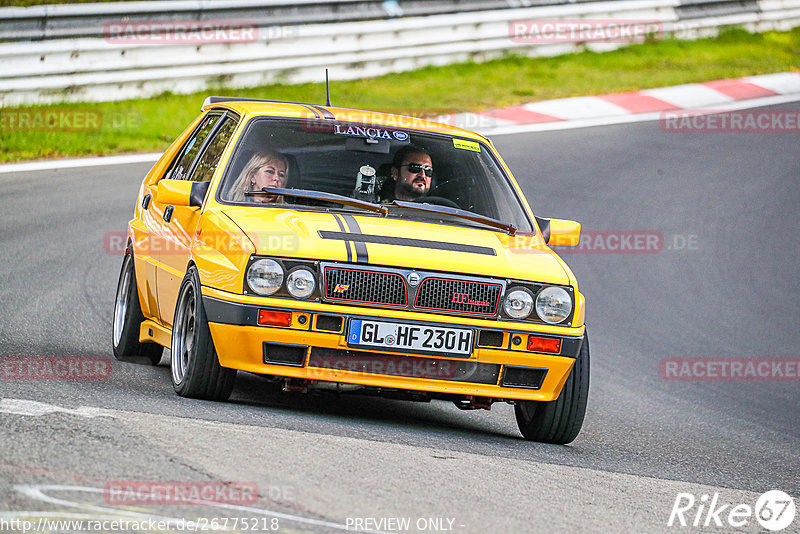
{"points": [[560, 232], [182, 192]]}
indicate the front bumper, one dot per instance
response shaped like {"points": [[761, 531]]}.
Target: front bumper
{"points": [[318, 351]]}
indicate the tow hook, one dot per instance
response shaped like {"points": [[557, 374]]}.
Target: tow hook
{"points": [[474, 403], [295, 385]]}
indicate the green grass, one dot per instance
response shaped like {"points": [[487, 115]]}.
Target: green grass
{"points": [[145, 125]]}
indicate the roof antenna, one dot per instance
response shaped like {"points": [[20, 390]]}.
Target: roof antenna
{"points": [[327, 90]]}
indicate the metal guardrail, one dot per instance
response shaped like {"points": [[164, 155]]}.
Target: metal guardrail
{"points": [[75, 21], [97, 69], [690, 9]]}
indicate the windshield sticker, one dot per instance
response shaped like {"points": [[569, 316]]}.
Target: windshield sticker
{"points": [[466, 145], [370, 132]]}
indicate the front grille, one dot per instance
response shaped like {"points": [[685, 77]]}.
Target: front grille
{"points": [[461, 296], [405, 366], [372, 287]]}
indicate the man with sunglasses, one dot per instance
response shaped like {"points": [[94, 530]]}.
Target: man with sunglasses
{"points": [[411, 173]]}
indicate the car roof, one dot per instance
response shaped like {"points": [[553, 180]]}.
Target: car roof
{"points": [[251, 107]]}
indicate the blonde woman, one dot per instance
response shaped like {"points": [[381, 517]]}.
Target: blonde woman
{"points": [[267, 168]]}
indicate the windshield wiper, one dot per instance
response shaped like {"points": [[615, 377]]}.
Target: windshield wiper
{"points": [[327, 197], [456, 212]]}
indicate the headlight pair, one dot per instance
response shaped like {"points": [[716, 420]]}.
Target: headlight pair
{"points": [[265, 277], [553, 304]]}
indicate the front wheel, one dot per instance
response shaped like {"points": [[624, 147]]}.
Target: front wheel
{"points": [[196, 372], [128, 319], [558, 421]]}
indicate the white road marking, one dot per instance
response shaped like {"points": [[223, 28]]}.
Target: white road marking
{"points": [[78, 163], [33, 408], [652, 495], [37, 492]]}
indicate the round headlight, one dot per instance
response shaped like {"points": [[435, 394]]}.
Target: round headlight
{"points": [[265, 277], [301, 283], [553, 304], [518, 304]]}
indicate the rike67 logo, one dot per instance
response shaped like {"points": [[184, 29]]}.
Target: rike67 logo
{"points": [[774, 511]]}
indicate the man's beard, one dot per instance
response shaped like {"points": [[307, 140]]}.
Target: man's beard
{"points": [[407, 189]]}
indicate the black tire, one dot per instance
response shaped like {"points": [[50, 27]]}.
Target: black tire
{"points": [[558, 421], [195, 368], [128, 319]]}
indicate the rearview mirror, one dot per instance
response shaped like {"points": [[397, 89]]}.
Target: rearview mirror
{"points": [[560, 232], [181, 192]]}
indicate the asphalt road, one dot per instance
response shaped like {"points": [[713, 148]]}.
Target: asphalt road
{"points": [[723, 284]]}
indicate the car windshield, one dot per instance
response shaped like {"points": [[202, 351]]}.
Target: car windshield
{"points": [[370, 163]]}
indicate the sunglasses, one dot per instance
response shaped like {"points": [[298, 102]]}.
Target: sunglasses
{"points": [[416, 168]]}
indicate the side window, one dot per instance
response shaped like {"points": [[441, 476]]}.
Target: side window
{"points": [[183, 162], [210, 158]]}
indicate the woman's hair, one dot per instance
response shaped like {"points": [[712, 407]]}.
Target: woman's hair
{"points": [[258, 160]]}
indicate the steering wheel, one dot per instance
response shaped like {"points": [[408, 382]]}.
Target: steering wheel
{"points": [[449, 182], [441, 201]]}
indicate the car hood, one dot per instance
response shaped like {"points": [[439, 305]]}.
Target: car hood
{"points": [[376, 240]]}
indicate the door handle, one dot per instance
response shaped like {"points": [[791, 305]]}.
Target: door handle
{"points": [[168, 213]]}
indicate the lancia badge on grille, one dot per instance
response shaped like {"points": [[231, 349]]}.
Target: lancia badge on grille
{"points": [[341, 288], [413, 278], [464, 298]]}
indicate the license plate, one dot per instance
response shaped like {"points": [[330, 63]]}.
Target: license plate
{"points": [[404, 337]]}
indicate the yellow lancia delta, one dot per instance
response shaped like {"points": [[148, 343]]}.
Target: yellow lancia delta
{"points": [[336, 249]]}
